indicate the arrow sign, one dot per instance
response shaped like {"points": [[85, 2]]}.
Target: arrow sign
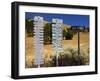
{"points": [[38, 32], [57, 36]]}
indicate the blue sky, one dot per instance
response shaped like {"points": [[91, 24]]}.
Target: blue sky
{"points": [[70, 19]]}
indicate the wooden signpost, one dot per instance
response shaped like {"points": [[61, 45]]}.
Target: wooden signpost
{"points": [[78, 28]]}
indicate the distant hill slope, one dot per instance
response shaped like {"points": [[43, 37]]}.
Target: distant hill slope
{"points": [[64, 26]]}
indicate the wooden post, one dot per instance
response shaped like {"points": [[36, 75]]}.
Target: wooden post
{"points": [[79, 47]]}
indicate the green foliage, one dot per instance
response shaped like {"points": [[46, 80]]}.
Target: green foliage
{"points": [[64, 33], [69, 35], [29, 27], [47, 33]]}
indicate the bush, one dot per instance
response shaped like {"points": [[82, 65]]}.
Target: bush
{"points": [[69, 35], [29, 28], [69, 57], [47, 33], [30, 64]]}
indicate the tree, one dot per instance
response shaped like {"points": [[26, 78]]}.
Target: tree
{"points": [[69, 35], [29, 27], [48, 33]]}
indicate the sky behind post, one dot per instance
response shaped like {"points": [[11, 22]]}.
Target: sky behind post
{"points": [[70, 19]]}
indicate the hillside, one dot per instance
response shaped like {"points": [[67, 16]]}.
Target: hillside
{"points": [[48, 49]]}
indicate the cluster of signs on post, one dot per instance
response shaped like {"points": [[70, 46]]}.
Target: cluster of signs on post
{"points": [[39, 37]]}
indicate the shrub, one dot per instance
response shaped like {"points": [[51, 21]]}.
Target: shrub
{"points": [[30, 64], [69, 35], [69, 57], [47, 33], [29, 27]]}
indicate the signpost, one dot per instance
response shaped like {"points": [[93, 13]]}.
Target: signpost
{"points": [[57, 36], [78, 29], [38, 37]]}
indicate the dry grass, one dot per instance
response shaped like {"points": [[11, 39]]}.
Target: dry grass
{"points": [[48, 51]]}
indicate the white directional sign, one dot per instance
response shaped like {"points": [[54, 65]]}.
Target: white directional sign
{"points": [[57, 34], [38, 37]]}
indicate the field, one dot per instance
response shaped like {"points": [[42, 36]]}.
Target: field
{"points": [[48, 51]]}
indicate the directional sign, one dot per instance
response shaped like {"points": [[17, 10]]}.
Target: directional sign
{"points": [[38, 32], [57, 34]]}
